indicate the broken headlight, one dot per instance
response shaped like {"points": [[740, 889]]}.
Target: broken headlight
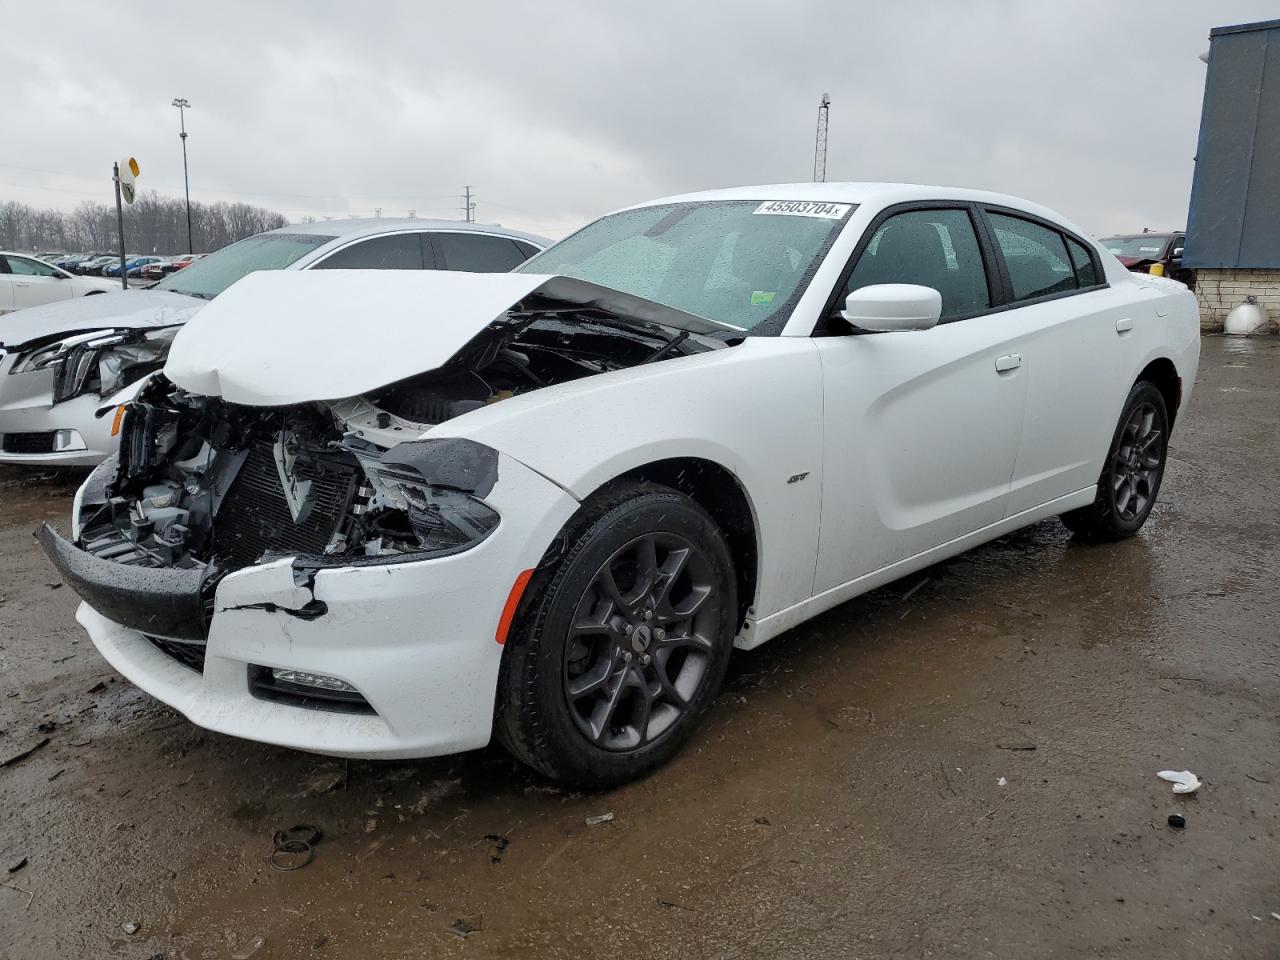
{"points": [[437, 485], [104, 361]]}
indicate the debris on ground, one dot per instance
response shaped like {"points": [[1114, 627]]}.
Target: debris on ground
{"points": [[97, 687], [294, 848], [462, 928], [47, 726], [1177, 821], [22, 755], [1184, 781], [1002, 782], [1015, 746], [54, 584], [763, 821], [250, 948], [326, 779], [131, 927], [498, 847], [602, 818], [17, 865]]}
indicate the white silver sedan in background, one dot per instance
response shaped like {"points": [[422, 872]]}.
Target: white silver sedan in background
{"points": [[66, 369], [27, 281], [393, 516]]}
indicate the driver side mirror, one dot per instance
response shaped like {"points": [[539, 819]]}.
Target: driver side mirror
{"points": [[1177, 253], [893, 307]]}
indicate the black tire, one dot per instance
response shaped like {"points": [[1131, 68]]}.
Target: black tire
{"points": [[571, 706], [1132, 472]]}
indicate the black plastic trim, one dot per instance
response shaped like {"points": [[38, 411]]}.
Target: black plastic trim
{"points": [[165, 601]]}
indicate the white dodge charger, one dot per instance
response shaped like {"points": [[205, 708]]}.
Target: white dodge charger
{"points": [[394, 515]]}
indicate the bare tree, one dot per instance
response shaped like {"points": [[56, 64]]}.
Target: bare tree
{"points": [[153, 223]]}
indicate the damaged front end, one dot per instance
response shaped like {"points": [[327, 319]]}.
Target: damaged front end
{"points": [[203, 487]]}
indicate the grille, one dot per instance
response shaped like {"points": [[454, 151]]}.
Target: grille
{"points": [[254, 517], [188, 654], [28, 442]]}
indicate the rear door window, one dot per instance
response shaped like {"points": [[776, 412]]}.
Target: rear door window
{"points": [[478, 253], [1035, 256], [932, 248], [398, 251], [1086, 269]]}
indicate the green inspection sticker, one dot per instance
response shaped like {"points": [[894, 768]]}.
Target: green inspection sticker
{"points": [[761, 296]]}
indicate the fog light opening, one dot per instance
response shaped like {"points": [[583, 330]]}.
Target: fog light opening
{"points": [[64, 440]]}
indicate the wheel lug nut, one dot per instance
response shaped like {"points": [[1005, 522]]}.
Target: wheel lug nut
{"points": [[626, 657], [659, 634], [628, 629], [648, 614], [645, 659]]}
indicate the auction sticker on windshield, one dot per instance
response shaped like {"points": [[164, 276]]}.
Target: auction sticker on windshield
{"points": [[803, 208]]}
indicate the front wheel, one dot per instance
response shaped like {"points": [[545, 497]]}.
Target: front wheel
{"points": [[1131, 476], [623, 643]]}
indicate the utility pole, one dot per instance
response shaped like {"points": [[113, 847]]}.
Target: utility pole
{"points": [[124, 274], [183, 105], [469, 207], [820, 143]]}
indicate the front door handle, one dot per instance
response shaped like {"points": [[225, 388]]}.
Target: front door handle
{"points": [[1010, 361], [1124, 325]]}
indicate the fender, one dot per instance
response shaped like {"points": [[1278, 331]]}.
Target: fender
{"points": [[754, 408]]}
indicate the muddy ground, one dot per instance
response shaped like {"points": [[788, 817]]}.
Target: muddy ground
{"points": [[843, 800]]}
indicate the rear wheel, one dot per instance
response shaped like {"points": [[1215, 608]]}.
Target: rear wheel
{"points": [[623, 643], [1131, 476]]}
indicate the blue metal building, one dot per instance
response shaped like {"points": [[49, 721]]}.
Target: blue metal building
{"points": [[1234, 221]]}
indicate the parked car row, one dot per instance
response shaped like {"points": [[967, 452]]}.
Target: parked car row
{"points": [[108, 264], [396, 514]]}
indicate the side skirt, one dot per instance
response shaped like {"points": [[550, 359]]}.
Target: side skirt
{"points": [[756, 632]]}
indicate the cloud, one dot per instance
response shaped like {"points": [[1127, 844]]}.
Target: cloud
{"points": [[556, 113]]}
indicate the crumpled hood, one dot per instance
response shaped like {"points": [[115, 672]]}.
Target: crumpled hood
{"points": [[282, 337], [124, 309]]}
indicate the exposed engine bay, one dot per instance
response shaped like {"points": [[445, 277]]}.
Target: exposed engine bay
{"points": [[204, 484]]}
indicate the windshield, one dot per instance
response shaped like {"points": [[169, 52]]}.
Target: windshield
{"points": [[209, 276], [741, 262], [1147, 246]]}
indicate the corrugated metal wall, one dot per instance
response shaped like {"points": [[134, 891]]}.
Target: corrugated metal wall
{"points": [[1234, 219]]}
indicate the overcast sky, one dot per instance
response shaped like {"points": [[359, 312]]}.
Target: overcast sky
{"points": [[557, 112]]}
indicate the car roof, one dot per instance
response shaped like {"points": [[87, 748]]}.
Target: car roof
{"points": [[1139, 236], [355, 229], [877, 194]]}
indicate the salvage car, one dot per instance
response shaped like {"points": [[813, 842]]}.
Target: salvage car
{"points": [[1159, 254], [394, 517], [66, 370]]}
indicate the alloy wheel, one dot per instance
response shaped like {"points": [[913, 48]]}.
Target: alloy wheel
{"points": [[1136, 463], [641, 643]]}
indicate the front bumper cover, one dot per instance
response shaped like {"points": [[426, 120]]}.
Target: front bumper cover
{"points": [[416, 639], [163, 602]]}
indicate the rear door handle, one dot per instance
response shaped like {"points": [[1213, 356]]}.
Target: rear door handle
{"points": [[1010, 361], [1124, 325]]}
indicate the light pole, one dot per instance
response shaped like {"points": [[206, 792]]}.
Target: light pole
{"points": [[183, 105]]}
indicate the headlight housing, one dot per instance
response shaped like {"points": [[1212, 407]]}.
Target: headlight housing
{"points": [[439, 485], [104, 361]]}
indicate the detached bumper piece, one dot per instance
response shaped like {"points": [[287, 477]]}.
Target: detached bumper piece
{"points": [[164, 602]]}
